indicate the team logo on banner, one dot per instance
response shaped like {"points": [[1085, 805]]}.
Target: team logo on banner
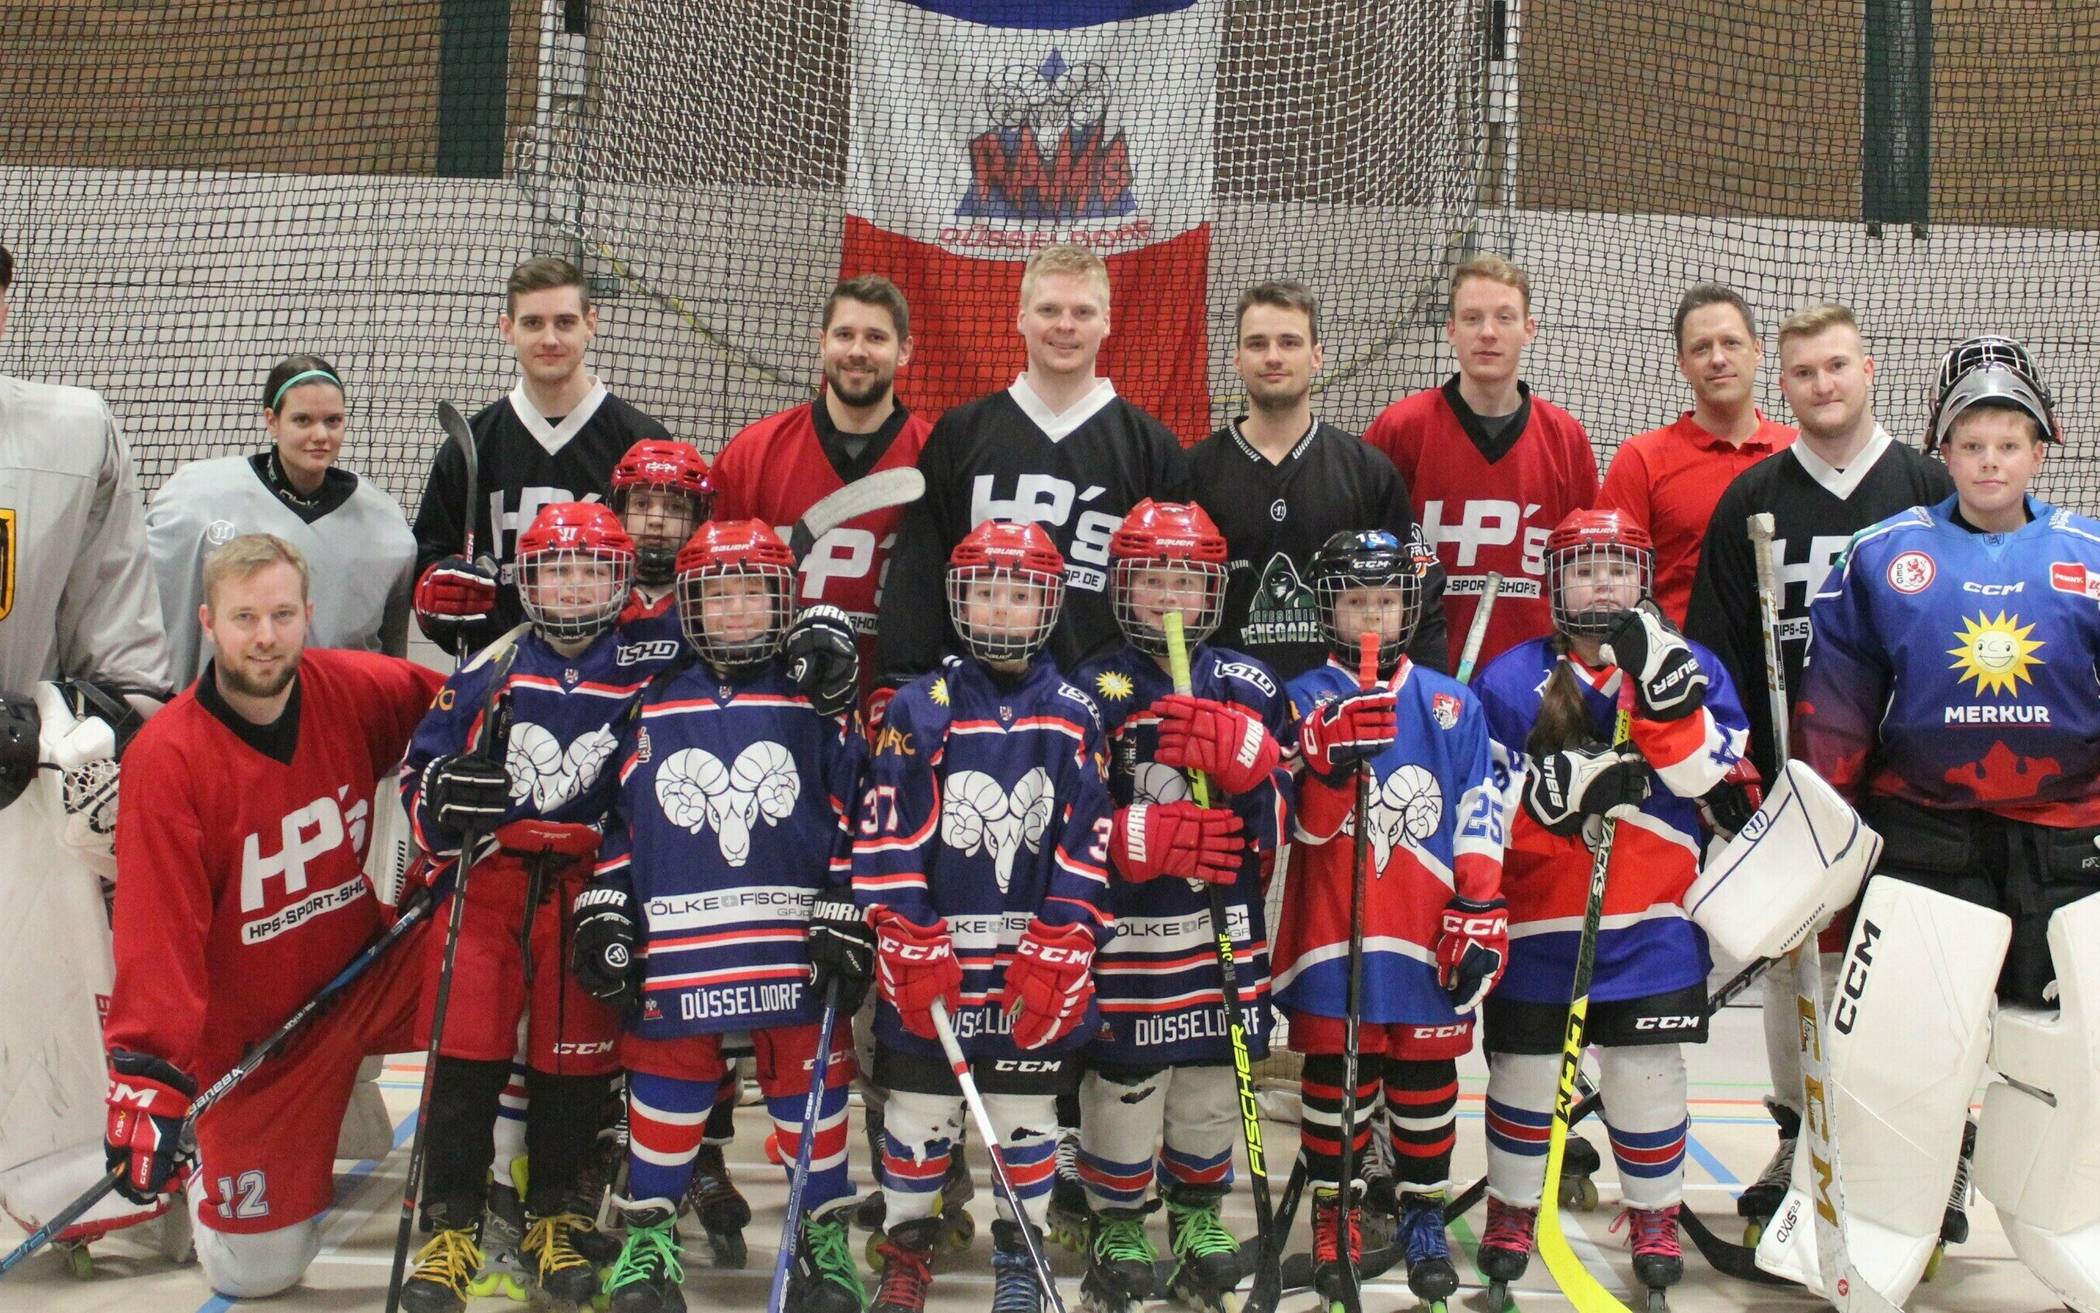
{"points": [[1049, 153]]}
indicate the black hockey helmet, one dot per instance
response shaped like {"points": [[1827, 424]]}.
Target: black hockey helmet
{"points": [[1363, 559], [20, 749], [1992, 371]]}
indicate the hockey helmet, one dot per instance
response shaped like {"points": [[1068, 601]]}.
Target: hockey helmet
{"points": [[575, 564], [1155, 542], [1006, 585], [672, 468], [1588, 550], [1991, 371], [719, 550], [1360, 560]]}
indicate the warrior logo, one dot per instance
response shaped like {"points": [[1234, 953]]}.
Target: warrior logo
{"points": [[546, 777], [695, 789], [1048, 154], [977, 815], [1405, 810]]}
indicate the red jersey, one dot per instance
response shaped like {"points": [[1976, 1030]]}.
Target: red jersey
{"points": [[1489, 503], [240, 855], [1668, 481], [777, 468]]}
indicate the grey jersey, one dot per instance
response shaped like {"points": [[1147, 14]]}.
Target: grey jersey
{"points": [[77, 598], [361, 556]]}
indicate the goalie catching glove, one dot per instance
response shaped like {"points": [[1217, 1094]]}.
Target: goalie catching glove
{"points": [[1152, 839], [1472, 948], [1564, 788], [1339, 734], [1667, 680], [148, 1102], [1049, 983], [914, 966], [603, 929], [1228, 743]]}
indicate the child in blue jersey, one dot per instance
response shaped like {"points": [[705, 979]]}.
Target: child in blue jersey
{"points": [[539, 807], [1433, 918], [661, 493], [1551, 706], [729, 828], [1160, 1084], [982, 857]]}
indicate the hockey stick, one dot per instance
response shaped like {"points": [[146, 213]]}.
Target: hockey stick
{"points": [[1842, 1284], [993, 1150], [493, 736], [871, 492], [1350, 1296], [411, 916], [812, 1106], [460, 435], [1477, 632], [1268, 1247]]}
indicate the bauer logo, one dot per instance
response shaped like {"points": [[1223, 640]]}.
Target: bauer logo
{"points": [[1049, 153], [1912, 572]]}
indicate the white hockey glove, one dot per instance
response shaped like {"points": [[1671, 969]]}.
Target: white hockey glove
{"points": [[1563, 788]]}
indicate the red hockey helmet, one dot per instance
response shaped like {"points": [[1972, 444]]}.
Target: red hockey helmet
{"points": [[1006, 584], [575, 564], [1166, 555], [734, 582], [1598, 563], [676, 472]]}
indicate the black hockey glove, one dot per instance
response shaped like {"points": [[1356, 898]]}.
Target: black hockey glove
{"points": [[148, 1102], [1563, 788], [465, 789], [823, 658], [1666, 677], [603, 926], [841, 949]]}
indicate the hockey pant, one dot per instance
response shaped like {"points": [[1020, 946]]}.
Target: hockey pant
{"points": [[674, 1086], [1409, 1073], [1184, 1119], [1644, 1112], [919, 1131]]}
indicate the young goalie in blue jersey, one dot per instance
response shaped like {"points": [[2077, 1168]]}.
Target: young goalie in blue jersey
{"points": [[982, 856], [730, 834], [1160, 1084]]}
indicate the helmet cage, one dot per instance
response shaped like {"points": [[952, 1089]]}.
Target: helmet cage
{"points": [[1599, 557], [716, 649], [595, 604], [1352, 562], [1198, 622], [1996, 353], [1012, 644]]}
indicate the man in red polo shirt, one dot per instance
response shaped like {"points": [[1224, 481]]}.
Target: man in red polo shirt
{"points": [[1667, 480]]}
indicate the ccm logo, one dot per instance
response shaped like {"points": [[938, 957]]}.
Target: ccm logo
{"points": [[583, 1049], [1026, 1065], [1053, 954], [1667, 1023], [1439, 1032], [1844, 1014], [1478, 926], [917, 952]]}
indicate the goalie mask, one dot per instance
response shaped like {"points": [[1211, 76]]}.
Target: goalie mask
{"points": [[1006, 583], [575, 564], [661, 493], [1368, 581], [734, 580], [1989, 371], [1165, 557], [1598, 564]]}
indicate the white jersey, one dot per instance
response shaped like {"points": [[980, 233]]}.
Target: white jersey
{"points": [[77, 598], [358, 548]]}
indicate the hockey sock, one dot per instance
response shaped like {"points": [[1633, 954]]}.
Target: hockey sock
{"points": [[461, 1136], [510, 1125], [561, 1130], [1202, 1126], [918, 1136], [1519, 1118], [1120, 1119], [665, 1120], [1321, 1135], [1644, 1109], [1421, 1099], [827, 1155]]}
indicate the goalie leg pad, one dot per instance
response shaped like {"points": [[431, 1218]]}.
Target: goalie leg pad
{"points": [[1792, 867], [1905, 1037], [2037, 1158]]}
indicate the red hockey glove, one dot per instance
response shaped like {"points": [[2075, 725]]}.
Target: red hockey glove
{"points": [[914, 965], [1728, 806], [1228, 743], [535, 837], [877, 711], [1341, 733], [1049, 984], [148, 1101], [1472, 948], [1152, 839], [456, 599]]}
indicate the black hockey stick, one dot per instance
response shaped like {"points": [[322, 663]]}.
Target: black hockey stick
{"points": [[417, 910], [812, 1106], [1268, 1286], [460, 435]]}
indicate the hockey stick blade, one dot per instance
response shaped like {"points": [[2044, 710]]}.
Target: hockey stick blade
{"points": [[461, 435], [873, 492], [1725, 1257]]}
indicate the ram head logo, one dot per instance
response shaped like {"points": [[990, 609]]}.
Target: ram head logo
{"points": [[544, 775], [695, 789], [1405, 810], [1152, 782], [978, 815]]}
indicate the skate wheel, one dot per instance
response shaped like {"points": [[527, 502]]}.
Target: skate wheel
{"points": [[1932, 1264], [80, 1264], [729, 1249], [961, 1229], [1498, 1296], [1578, 1193], [1658, 1302], [1752, 1233]]}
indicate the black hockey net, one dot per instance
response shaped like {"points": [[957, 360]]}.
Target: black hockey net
{"points": [[193, 191]]}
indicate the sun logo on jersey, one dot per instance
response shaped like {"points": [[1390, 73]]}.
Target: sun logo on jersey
{"points": [[1113, 685], [1997, 654], [938, 694]]}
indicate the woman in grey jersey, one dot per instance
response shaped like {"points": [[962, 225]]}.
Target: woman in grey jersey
{"points": [[353, 533]]}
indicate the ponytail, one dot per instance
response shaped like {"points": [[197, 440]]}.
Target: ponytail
{"points": [[1564, 714]]}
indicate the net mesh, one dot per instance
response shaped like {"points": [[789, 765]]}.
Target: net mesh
{"points": [[194, 191]]}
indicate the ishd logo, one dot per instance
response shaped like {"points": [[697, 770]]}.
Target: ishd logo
{"points": [[1049, 154]]}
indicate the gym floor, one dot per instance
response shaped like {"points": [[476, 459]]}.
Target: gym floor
{"points": [[1731, 1138]]}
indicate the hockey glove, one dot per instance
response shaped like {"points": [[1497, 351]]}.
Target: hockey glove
{"points": [[1152, 839], [455, 602], [603, 929], [148, 1101], [1049, 983], [1729, 805], [1563, 788], [465, 789], [841, 950], [1666, 677], [1339, 734], [877, 711], [823, 658], [1472, 948], [915, 965], [1228, 743]]}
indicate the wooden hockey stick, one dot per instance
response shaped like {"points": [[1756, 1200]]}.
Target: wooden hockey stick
{"points": [[1476, 633]]}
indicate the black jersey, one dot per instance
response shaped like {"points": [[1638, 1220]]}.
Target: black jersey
{"points": [[528, 461], [1276, 515], [1815, 509], [1006, 457]]}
